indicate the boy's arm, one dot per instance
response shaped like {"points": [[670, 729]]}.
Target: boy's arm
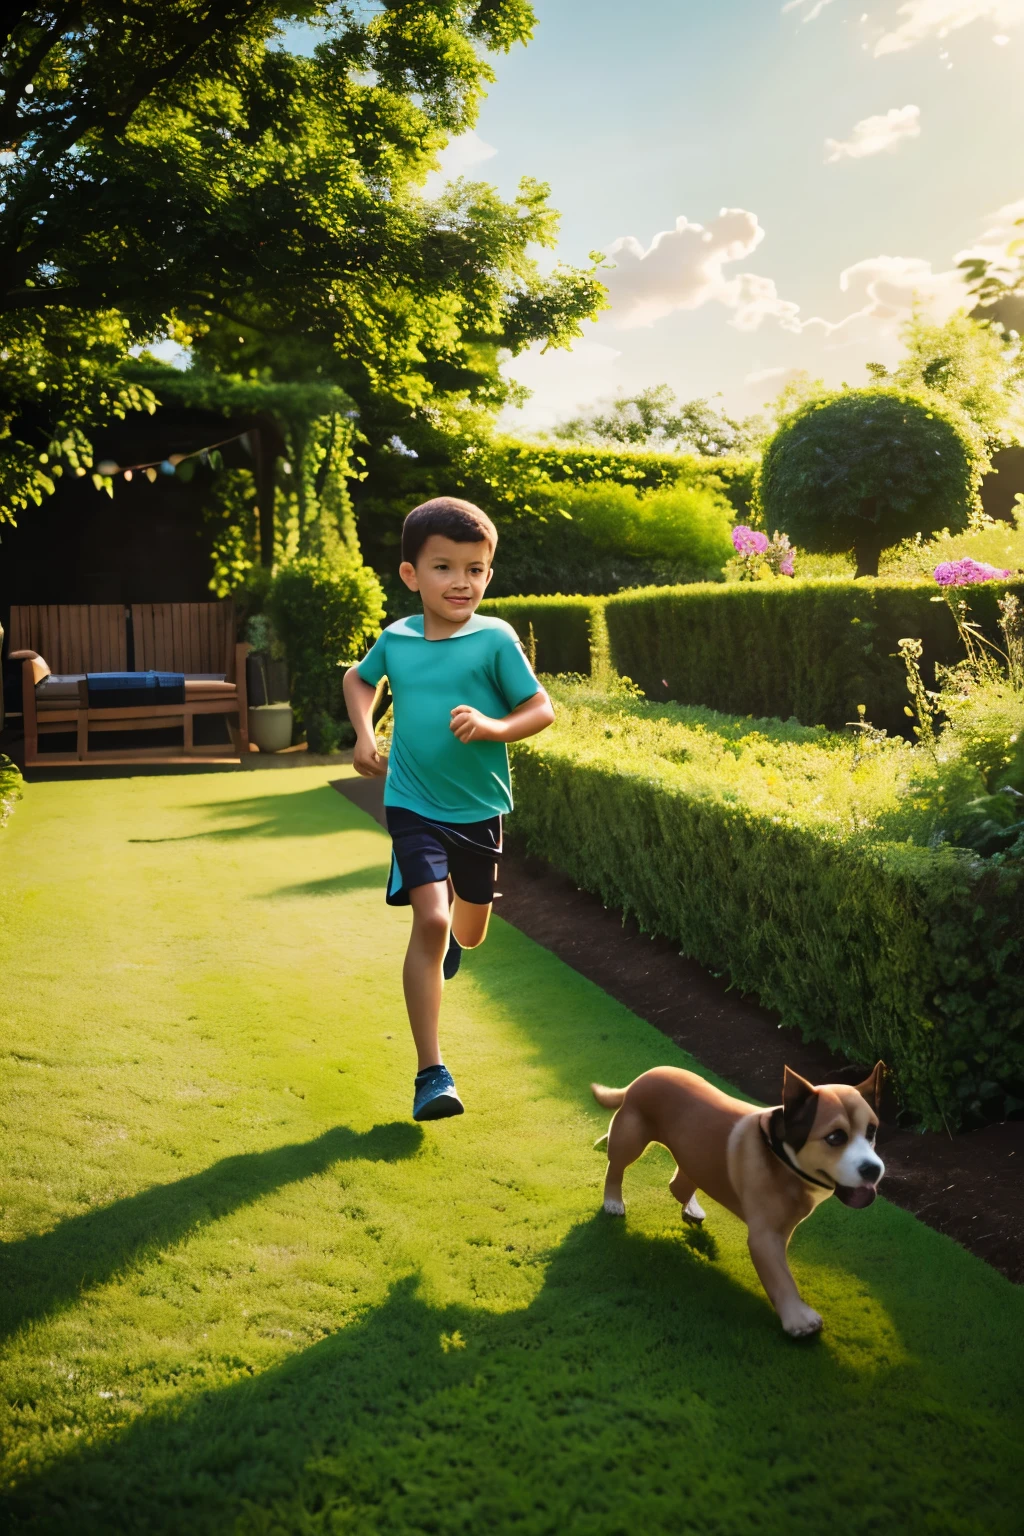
{"points": [[359, 700], [529, 718]]}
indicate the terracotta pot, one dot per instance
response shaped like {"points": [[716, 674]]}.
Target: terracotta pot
{"points": [[270, 726]]}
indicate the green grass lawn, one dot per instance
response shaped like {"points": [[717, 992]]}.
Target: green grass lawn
{"points": [[243, 1292]]}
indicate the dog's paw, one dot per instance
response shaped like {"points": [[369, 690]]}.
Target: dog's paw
{"points": [[614, 1207], [802, 1321], [693, 1210]]}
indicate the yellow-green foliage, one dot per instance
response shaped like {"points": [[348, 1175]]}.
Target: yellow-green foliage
{"points": [[10, 787], [991, 541], [678, 524], [505, 471], [812, 649], [797, 862]]}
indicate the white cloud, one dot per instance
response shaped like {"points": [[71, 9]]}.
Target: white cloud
{"points": [[755, 299], [874, 135], [683, 268], [459, 156], [886, 289], [922, 19]]}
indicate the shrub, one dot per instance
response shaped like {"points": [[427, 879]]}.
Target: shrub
{"points": [[810, 649], [679, 524], [988, 541], [505, 472], [603, 537], [524, 487], [323, 610], [559, 634], [863, 469], [769, 852]]}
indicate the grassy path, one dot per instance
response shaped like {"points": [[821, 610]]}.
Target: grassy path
{"points": [[242, 1292]]}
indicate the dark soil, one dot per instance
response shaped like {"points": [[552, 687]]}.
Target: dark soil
{"points": [[968, 1186]]}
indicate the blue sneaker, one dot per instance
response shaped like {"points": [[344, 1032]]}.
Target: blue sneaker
{"points": [[435, 1095], [453, 959]]}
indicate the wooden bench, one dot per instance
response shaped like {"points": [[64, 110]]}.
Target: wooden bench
{"points": [[58, 644]]}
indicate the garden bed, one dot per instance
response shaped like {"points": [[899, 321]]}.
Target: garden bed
{"points": [[805, 867]]}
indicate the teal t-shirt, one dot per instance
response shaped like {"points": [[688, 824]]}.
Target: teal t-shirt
{"points": [[429, 769]]}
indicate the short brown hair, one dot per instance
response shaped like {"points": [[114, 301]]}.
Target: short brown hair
{"points": [[452, 519]]}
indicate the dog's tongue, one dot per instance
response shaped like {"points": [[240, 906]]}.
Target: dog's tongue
{"points": [[857, 1196]]}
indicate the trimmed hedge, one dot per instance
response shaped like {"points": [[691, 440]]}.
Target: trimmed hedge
{"points": [[809, 649], [712, 834], [567, 631]]}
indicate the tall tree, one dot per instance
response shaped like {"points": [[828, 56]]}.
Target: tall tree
{"points": [[973, 363], [655, 419], [171, 164]]}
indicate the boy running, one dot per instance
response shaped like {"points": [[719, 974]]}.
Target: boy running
{"points": [[461, 688]]}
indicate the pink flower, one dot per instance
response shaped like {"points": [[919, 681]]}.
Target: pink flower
{"points": [[749, 541], [786, 565], [962, 573]]}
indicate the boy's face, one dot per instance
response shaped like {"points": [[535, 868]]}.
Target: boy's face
{"points": [[450, 577]]}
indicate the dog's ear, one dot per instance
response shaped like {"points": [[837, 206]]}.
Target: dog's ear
{"points": [[871, 1088], [799, 1107]]}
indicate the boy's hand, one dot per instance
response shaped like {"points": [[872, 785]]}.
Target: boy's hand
{"points": [[469, 724], [366, 760]]}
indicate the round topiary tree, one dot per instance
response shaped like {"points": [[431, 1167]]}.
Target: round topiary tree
{"points": [[861, 469]]}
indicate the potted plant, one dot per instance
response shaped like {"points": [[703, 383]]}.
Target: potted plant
{"points": [[271, 719]]}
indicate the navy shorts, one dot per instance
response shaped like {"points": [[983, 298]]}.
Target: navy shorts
{"points": [[424, 852]]}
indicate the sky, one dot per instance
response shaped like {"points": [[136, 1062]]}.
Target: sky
{"points": [[773, 182]]}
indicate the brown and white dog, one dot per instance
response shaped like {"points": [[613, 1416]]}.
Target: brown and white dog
{"points": [[770, 1167]]}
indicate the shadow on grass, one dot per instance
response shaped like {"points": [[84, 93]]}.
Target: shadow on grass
{"points": [[641, 1390], [42, 1274], [335, 885], [308, 813]]}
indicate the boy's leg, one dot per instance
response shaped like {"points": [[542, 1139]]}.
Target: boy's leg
{"points": [[469, 922], [473, 871], [421, 974]]}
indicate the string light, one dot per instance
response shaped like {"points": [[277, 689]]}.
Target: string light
{"points": [[153, 467]]}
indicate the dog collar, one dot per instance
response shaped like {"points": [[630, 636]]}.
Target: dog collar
{"points": [[773, 1141]]}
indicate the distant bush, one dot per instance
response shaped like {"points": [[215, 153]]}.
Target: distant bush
{"points": [[505, 471], [323, 611], [810, 869], [863, 469], [526, 488], [679, 524]]}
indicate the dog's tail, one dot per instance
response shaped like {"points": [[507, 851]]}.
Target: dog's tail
{"points": [[608, 1098]]}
